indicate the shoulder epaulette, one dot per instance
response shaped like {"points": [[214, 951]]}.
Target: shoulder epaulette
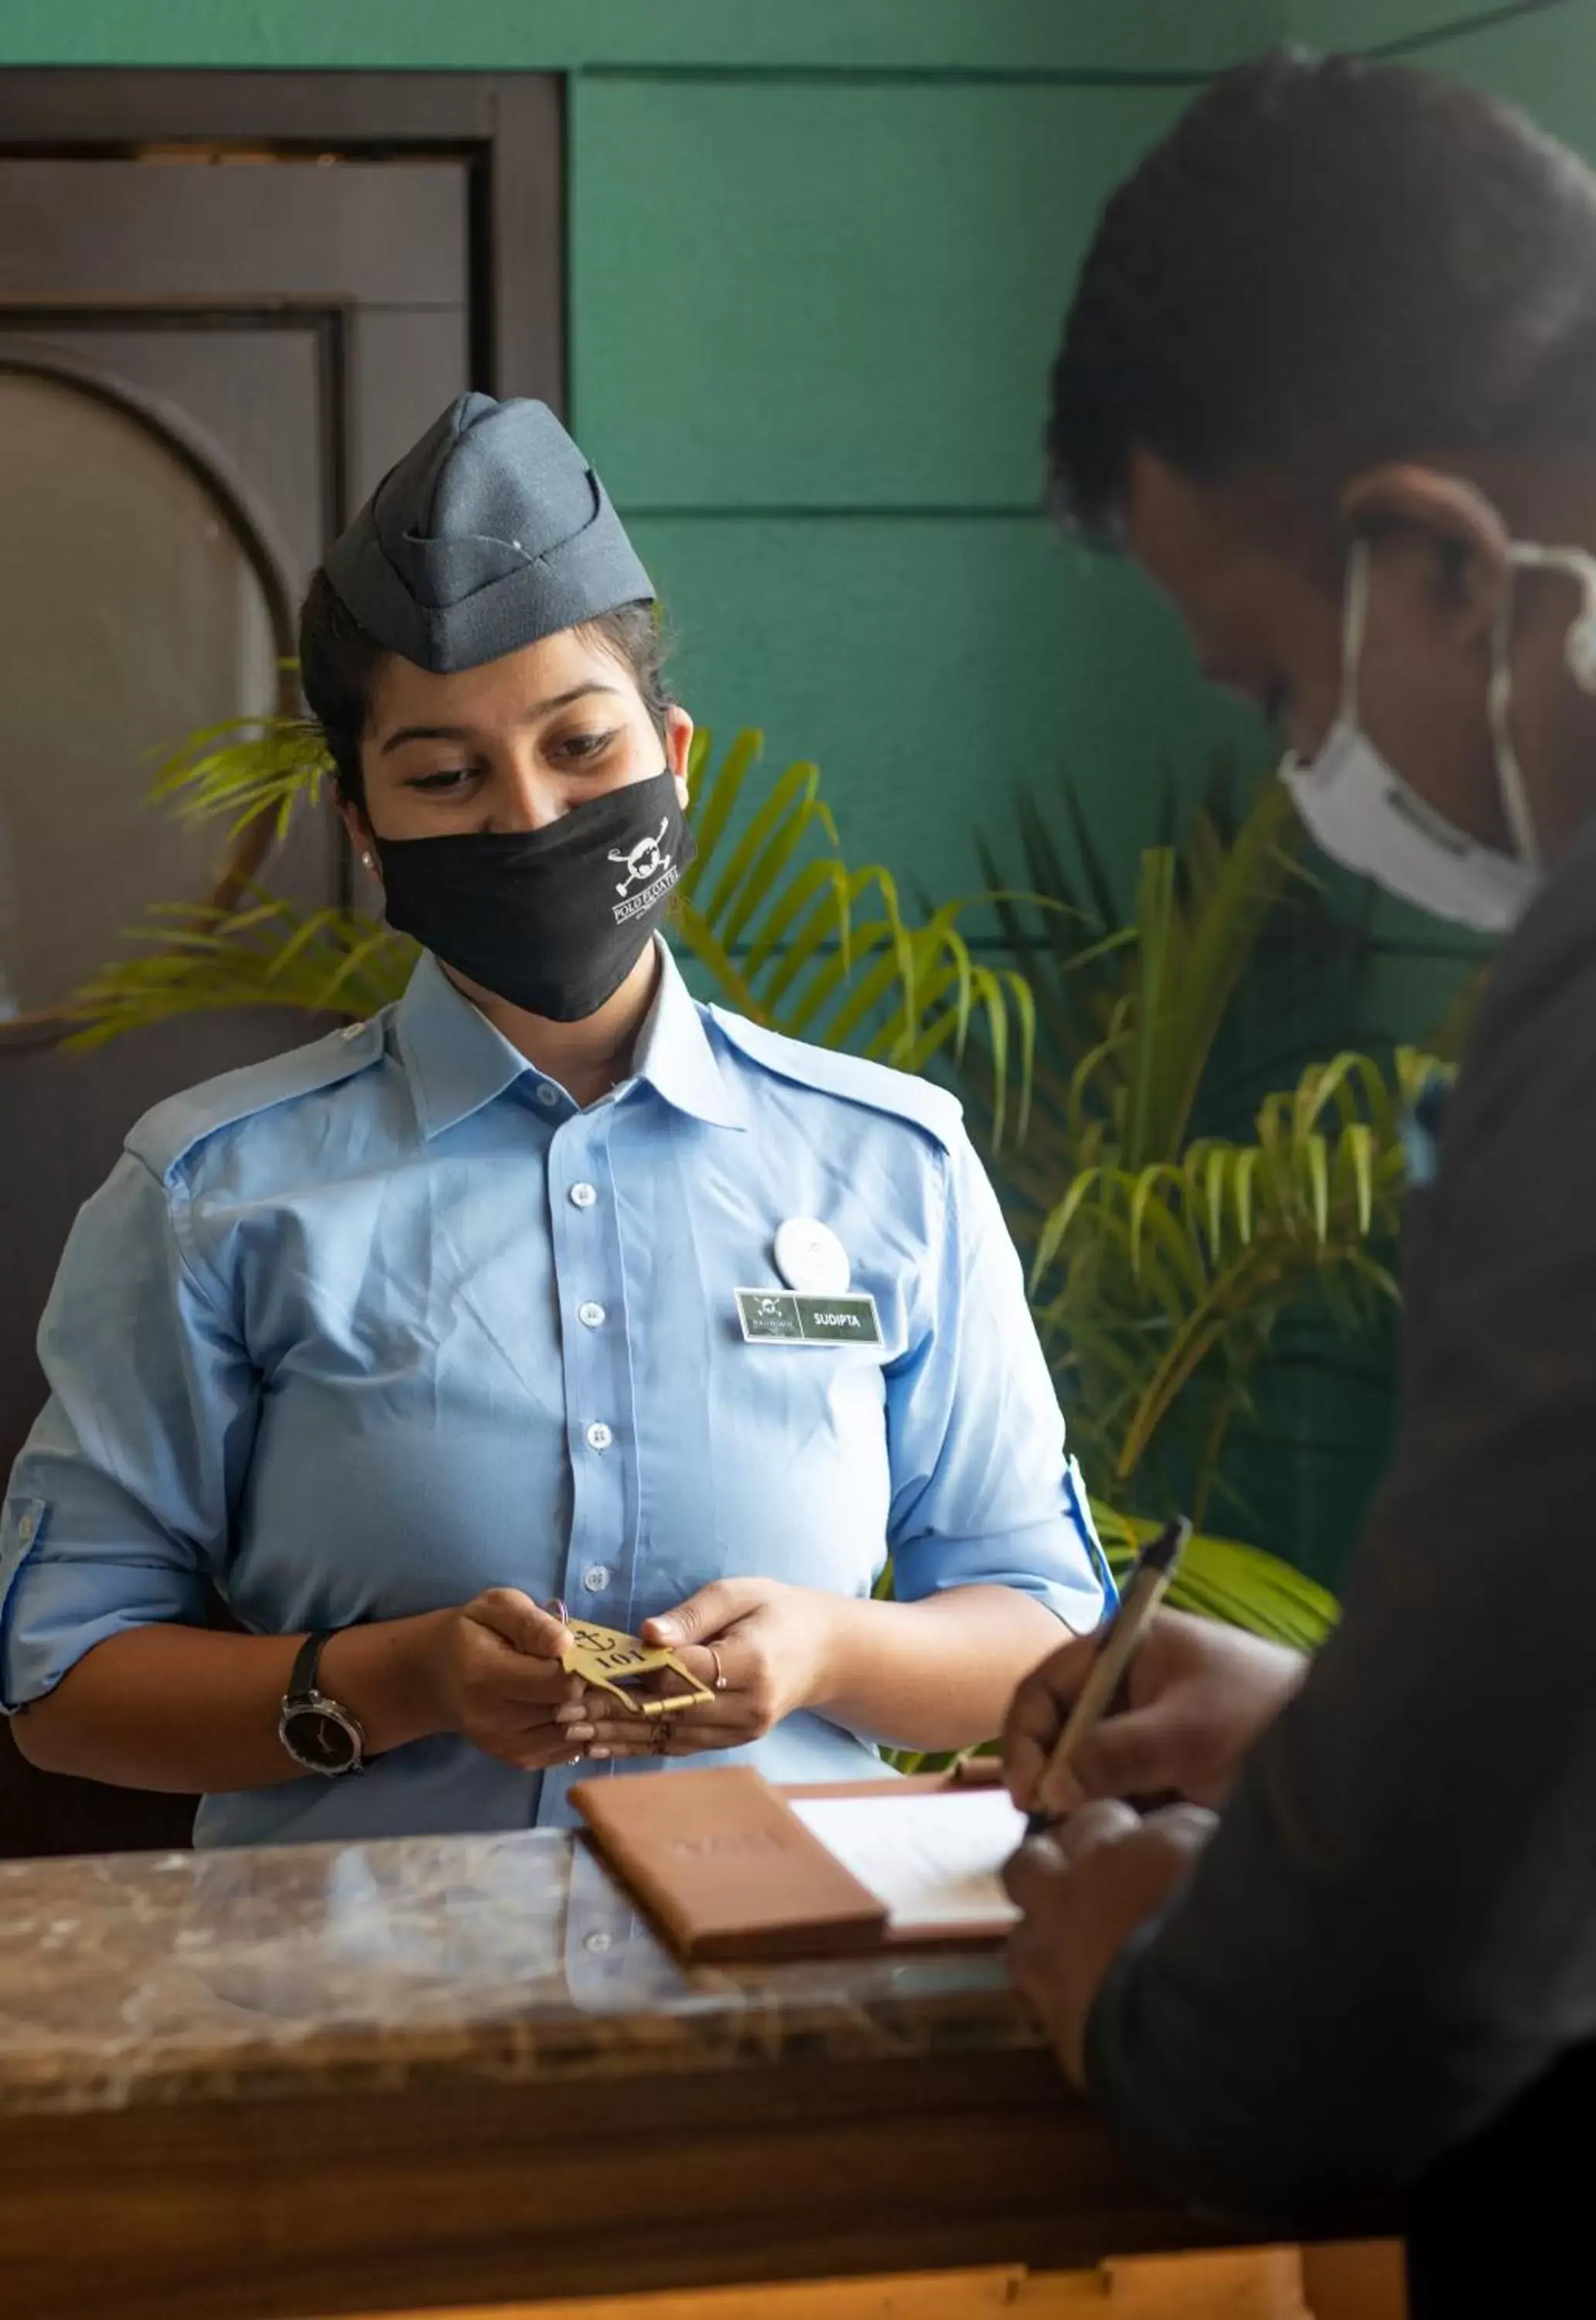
{"points": [[853, 1077], [170, 1131]]}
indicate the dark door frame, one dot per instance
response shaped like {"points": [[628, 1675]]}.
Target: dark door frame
{"points": [[508, 128]]}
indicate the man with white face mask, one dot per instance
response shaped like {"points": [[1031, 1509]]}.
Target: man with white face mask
{"points": [[1330, 378]]}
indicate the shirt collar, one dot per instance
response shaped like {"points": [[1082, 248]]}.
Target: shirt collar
{"points": [[676, 1058], [456, 1062]]}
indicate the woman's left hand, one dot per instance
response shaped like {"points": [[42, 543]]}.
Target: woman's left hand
{"points": [[760, 1646]]}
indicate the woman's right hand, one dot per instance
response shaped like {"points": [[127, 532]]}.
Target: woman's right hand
{"points": [[496, 1679], [1200, 1694]]}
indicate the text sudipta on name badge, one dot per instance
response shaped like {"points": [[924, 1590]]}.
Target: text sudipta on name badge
{"points": [[783, 1317]]}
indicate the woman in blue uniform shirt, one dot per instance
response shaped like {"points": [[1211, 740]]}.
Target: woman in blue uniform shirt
{"points": [[407, 1340]]}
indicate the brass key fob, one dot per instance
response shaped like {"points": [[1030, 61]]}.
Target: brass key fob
{"points": [[610, 1662]]}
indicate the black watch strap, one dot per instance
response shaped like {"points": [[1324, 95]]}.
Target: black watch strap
{"points": [[319, 1733], [307, 1665]]}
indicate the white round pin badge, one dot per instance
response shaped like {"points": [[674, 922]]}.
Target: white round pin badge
{"points": [[811, 1259]]}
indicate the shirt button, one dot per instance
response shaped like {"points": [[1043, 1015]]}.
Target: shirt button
{"points": [[548, 1094], [25, 1529], [596, 1577], [351, 1031], [599, 1436], [582, 1196], [597, 1943], [590, 1316]]}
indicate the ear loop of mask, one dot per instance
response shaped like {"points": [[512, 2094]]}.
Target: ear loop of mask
{"points": [[1509, 774], [1579, 649], [1578, 652], [1355, 619], [1354, 613]]}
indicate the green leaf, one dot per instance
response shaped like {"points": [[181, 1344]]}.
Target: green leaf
{"points": [[1224, 1578], [742, 883], [714, 804]]}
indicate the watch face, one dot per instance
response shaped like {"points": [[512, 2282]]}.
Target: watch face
{"points": [[319, 1740]]}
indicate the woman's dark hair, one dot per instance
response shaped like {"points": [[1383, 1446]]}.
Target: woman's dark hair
{"points": [[338, 662], [1326, 264]]}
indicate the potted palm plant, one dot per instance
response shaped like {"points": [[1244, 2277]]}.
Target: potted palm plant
{"points": [[1181, 1220]]}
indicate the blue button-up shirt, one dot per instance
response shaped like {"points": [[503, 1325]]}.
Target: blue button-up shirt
{"points": [[360, 1331]]}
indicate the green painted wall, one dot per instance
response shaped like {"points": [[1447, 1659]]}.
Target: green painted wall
{"points": [[852, 35], [822, 411]]}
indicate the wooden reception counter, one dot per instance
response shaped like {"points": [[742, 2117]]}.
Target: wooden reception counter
{"points": [[334, 2078]]}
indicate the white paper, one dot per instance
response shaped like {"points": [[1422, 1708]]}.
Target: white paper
{"points": [[933, 1859]]}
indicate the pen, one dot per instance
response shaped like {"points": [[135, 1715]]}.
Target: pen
{"points": [[1154, 1569]]}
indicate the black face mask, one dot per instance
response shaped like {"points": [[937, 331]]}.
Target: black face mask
{"points": [[552, 920]]}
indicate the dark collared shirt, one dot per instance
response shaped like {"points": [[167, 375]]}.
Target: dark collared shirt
{"points": [[1392, 1936]]}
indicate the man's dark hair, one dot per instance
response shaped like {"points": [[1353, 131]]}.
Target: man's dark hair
{"points": [[1326, 264], [338, 662]]}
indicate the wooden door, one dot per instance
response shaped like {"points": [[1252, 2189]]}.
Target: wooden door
{"points": [[227, 304]]}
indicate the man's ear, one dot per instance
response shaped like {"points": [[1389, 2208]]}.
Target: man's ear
{"points": [[1453, 517], [678, 743]]}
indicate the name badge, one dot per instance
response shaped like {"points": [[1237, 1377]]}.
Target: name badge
{"points": [[780, 1317]]}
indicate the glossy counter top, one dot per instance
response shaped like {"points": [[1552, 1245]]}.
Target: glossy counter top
{"points": [[153, 1980], [445, 2071]]}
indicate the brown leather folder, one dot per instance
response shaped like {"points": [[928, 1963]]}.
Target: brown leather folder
{"points": [[727, 1870]]}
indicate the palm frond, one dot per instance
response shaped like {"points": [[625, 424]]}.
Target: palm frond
{"points": [[793, 937], [1158, 1288], [245, 770], [1223, 1579], [1168, 1234], [264, 954]]}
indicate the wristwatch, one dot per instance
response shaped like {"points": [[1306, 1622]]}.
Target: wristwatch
{"points": [[317, 1732]]}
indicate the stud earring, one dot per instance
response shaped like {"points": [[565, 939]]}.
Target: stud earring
{"points": [[367, 863]]}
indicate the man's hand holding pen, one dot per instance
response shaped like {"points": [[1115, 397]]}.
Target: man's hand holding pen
{"points": [[1196, 1695]]}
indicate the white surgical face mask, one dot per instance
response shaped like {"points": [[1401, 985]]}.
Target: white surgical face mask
{"points": [[1362, 813]]}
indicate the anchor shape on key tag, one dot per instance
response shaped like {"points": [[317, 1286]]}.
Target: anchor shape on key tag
{"points": [[608, 1661]]}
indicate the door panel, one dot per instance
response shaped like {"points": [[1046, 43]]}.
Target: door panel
{"points": [[404, 364], [133, 613], [387, 233], [250, 397], [247, 406]]}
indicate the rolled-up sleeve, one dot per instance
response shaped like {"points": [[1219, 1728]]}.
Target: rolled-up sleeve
{"points": [[983, 1491], [118, 1507]]}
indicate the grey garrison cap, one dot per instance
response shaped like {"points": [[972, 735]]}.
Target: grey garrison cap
{"points": [[491, 533]]}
